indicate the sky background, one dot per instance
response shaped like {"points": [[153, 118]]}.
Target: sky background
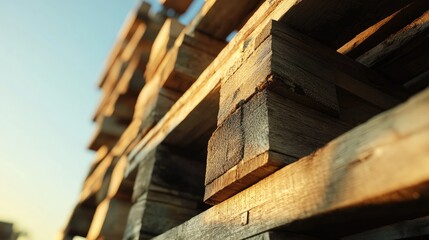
{"points": [[51, 57]]}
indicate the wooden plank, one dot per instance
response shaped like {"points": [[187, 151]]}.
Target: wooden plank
{"points": [[403, 230], [268, 124], [307, 68], [167, 191], [337, 22], [352, 179], [164, 41], [418, 27], [378, 32], [184, 63], [219, 18], [149, 218], [79, 221], [166, 171], [109, 220], [179, 6], [120, 187], [92, 191], [108, 131]]}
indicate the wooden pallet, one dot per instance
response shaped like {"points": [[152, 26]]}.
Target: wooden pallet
{"points": [[311, 123]]}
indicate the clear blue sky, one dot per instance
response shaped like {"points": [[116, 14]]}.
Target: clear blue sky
{"points": [[51, 56]]}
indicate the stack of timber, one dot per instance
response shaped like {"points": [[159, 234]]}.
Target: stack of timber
{"points": [[296, 119]]}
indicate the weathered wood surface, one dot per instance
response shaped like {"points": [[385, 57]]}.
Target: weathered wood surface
{"points": [[333, 189], [210, 78], [267, 123], [148, 218], [403, 230], [109, 220], [418, 28], [167, 191], [94, 187], [334, 23], [219, 18], [165, 170], [164, 41], [303, 67], [179, 6], [108, 131]]}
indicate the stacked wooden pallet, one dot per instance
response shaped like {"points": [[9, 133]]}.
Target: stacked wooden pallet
{"points": [[292, 129]]}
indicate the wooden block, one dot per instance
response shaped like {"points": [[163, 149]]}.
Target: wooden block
{"points": [[164, 41], [344, 188], [179, 6], [187, 63], [303, 68], [167, 191], [164, 170], [149, 218], [109, 220], [267, 123], [219, 18]]}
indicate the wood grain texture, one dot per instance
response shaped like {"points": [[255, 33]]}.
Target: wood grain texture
{"points": [[164, 41], [335, 187], [166, 171], [303, 67], [270, 123], [218, 18], [417, 28], [167, 191]]}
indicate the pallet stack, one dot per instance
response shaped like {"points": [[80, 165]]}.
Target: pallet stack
{"points": [[312, 122]]}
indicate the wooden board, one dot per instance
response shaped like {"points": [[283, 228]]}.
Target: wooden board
{"points": [[166, 171], [109, 220], [79, 221], [336, 22], [219, 18], [179, 6], [149, 218], [164, 41], [268, 124], [167, 191], [332, 190], [303, 67]]}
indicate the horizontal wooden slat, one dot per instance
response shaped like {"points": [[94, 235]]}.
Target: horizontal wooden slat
{"points": [[362, 175]]}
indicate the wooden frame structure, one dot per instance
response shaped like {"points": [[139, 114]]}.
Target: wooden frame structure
{"points": [[311, 123]]}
